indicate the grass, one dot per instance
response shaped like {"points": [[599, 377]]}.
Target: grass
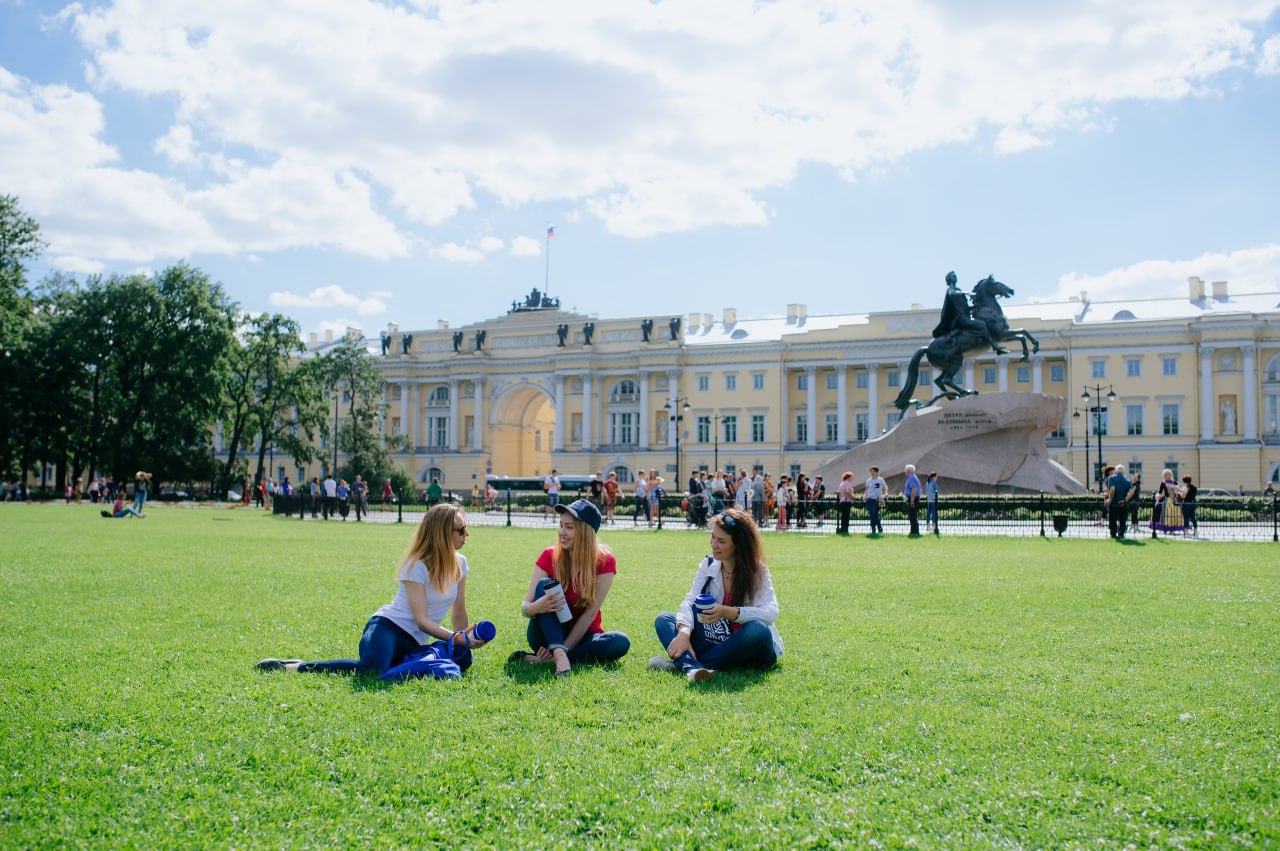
{"points": [[935, 692]]}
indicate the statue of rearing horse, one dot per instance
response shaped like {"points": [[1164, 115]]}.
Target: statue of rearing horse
{"points": [[946, 352]]}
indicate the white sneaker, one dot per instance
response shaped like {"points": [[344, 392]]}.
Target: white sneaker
{"points": [[661, 663], [700, 675]]}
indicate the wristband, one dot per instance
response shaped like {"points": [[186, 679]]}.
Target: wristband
{"points": [[524, 608]]}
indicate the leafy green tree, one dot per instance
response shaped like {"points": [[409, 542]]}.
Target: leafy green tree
{"points": [[20, 243], [352, 372], [291, 412]]}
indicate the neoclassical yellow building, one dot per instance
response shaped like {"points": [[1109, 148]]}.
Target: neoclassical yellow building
{"points": [[1195, 376]]}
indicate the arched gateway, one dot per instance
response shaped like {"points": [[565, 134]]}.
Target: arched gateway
{"points": [[522, 431]]}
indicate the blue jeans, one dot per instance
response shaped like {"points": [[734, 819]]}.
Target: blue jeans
{"points": [[545, 630], [1189, 516], [873, 513], [139, 499], [383, 646], [749, 647], [931, 515]]}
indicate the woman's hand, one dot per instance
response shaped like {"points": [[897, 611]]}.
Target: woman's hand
{"points": [[680, 645], [546, 604], [471, 633], [718, 612]]}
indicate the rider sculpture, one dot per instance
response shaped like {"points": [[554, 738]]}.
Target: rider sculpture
{"points": [[957, 317]]}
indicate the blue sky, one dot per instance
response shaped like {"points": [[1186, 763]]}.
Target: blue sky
{"points": [[357, 163]]}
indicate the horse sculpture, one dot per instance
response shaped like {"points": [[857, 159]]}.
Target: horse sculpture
{"points": [[947, 353]]}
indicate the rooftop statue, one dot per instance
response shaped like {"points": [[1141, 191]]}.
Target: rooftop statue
{"points": [[964, 327]]}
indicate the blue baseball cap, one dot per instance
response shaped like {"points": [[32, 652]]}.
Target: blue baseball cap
{"points": [[582, 510]]}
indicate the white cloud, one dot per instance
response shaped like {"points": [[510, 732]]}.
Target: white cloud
{"points": [[525, 246], [330, 296], [1247, 270], [358, 124]]}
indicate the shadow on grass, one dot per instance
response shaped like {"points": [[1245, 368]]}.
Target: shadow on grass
{"points": [[525, 673], [1130, 542], [725, 682]]}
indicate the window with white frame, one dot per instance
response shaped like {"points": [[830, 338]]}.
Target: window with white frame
{"points": [[731, 381], [704, 383], [891, 378], [1100, 423], [757, 381], [757, 428], [1133, 367], [832, 427], [802, 428], [1135, 470], [622, 428], [1133, 420], [439, 397], [1098, 368], [861, 427], [891, 419], [437, 431], [1022, 375], [730, 424], [704, 429], [861, 379], [1058, 372], [1171, 418], [802, 381], [1169, 365], [625, 390], [988, 375], [833, 383]]}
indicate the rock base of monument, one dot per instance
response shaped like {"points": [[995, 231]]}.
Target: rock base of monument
{"points": [[984, 444]]}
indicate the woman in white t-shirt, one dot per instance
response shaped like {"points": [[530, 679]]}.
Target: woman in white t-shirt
{"points": [[432, 582]]}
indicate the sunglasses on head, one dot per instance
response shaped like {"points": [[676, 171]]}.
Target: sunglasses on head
{"points": [[729, 521]]}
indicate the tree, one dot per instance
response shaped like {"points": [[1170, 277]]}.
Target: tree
{"points": [[20, 243], [352, 371], [291, 413]]}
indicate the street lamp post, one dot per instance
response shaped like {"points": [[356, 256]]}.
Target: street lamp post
{"points": [[676, 417], [1088, 471], [1097, 410], [336, 397]]}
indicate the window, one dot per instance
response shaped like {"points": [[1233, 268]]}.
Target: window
{"points": [[621, 429], [1058, 372], [730, 471], [833, 382], [1173, 468], [1170, 415], [624, 474], [624, 391], [434, 473], [1133, 420], [861, 380], [439, 397], [437, 431], [731, 381], [1169, 366], [1135, 469], [1100, 422], [891, 419], [795, 471], [1098, 368], [891, 378], [730, 424], [833, 428], [802, 428], [704, 429], [757, 381], [757, 428], [1023, 375], [704, 383], [1059, 432], [802, 381], [988, 375], [1133, 367], [861, 429]]}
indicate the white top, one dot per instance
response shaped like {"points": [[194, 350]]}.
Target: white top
{"points": [[762, 607], [552, 484], [438, 603], [875, 488], [330, 487]]}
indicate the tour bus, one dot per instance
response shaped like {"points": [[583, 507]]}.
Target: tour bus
{"points": [[575, 485]]}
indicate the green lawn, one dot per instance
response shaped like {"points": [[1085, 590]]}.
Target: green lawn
{"points": [[935, 692]]}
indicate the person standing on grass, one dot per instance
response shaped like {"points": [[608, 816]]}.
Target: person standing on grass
{"points": [[611, 491], [875, 500], [432, 583], [360, 496], [551, 484], [931, 491], [330, 496], [577, 572], [911, 490], [1188, 494], [642, 499], [1118, 488], [140, 480], [738, 630], [844, 502]]}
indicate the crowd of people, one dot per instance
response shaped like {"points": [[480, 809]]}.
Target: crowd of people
{"points": [[725, 621], [1173, 506]]}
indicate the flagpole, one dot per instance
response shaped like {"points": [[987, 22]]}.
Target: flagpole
{"points": [[546, 283]]}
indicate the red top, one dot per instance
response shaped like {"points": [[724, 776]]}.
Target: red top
{"points": [[733, 625], [606, 563]]}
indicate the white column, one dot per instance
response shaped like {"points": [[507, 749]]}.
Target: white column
{"points": [[477, 433], [217, 437], [404, 407], [673, 426], [811, 406], [968, 373], [645, 413], [842, 405], [1002, 375], [560, 429], [873, 399], [417, 413], [1250, 412], [588, 418], [1207, 412], [453, 415], [1037, 374]]}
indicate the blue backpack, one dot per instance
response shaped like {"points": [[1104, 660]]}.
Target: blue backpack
{"points": [[435, 661]]}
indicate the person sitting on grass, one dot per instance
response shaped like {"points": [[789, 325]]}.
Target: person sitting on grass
{"points": [[432, 580], [119, 509], [577, 573], [737, 631]]}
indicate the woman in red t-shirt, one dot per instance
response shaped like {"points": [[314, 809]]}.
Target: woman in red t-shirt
{"points": [[585, 570]]}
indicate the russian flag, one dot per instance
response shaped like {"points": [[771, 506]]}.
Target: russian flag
{"points": [[551, 231]]}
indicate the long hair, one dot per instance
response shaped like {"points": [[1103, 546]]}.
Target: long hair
{"points": [[747, 569], [433, 546], [576, 566]]}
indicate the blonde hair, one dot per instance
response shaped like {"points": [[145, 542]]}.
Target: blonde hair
{"points": [[433, 546], [577, 565]]}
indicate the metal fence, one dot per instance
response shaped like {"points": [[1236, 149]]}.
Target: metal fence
{"points": [[1214, 518]]}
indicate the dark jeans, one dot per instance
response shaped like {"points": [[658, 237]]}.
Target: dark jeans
{"points": [[873, 514], [642, 506], [749, 647], [330, 504], [545, 630], [757, 509], [842, 525], [1189, 516], [383, 645], [1117, 515], [931, 515], [913, 515]]}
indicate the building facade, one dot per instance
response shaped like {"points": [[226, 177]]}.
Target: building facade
{"points": [[1194, 376]]}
